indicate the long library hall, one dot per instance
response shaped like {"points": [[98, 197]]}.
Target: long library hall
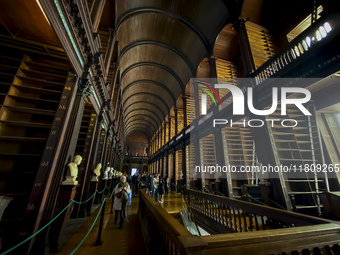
{"points": [[170, 127]]}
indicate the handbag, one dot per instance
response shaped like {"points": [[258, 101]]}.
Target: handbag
{"points": [[119, 194]]}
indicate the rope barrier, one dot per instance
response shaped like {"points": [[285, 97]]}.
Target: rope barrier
{"points": [[101, 207], [256, 200], [73, 201], [28, 238], [221, 193], [278, 205], [84, 202]]}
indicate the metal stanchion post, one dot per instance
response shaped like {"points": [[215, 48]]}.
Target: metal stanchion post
{"points": [[99, 240]]}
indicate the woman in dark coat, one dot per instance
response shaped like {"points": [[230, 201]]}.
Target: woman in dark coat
{"points": [[161, 187]]}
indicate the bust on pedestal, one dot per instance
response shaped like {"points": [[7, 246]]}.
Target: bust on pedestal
{"points": [[106, 173], [111, 173], [96, 173], [72, 171]]}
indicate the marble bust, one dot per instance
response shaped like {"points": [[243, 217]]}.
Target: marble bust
{"points": [[96, 173], [111, 173], [72, 171], [106, 173]]}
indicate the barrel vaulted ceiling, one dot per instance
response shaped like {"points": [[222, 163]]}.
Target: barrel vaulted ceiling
{"points": [[161, 43]]}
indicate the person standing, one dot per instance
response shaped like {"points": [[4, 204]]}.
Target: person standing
{"points": [[161, 190], [122, 191], [135, 183], [167, 186], [152, 189], [155, 186]]}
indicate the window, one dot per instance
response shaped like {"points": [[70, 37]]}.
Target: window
{"points": [[303, 25]]}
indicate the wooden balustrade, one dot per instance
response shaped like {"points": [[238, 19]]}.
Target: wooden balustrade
{"points": [[323, 30], [163, 234], [307, 240], [224, 215]]}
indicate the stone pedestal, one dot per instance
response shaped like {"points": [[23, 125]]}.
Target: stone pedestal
{"points": [[70, 181], [65, 196], [92, 189]]}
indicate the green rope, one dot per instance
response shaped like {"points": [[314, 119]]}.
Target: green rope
{"points": [[89, 230], [73, 201], [86, 200], [100, 192], [221, 193], [278, 205], [28, 238], [256, 200]]}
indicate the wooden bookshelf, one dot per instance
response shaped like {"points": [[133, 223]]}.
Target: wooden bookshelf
{"points": [[179, 164], [190, 104], [208, 158], [262, 43], [30, 91], [239, 151]]}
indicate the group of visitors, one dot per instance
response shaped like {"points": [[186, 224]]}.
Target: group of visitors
{"points": [[156, 185], [137, 182]]}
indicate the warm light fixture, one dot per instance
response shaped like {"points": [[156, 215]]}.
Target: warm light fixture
{"points": [[43, 11]]}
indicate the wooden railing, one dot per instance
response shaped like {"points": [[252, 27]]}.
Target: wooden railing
{"points": [[307, 240], [322, 31], [222, 215], [163, 234]]}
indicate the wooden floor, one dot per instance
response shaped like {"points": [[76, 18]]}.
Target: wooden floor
{"points": [[128, 240]]}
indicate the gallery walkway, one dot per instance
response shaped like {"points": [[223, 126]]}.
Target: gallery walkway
{"points": [[129, 240]]}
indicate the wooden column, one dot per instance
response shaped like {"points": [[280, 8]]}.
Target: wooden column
{"points": [[109, 50], [118, 104], [162, 137], [65, 151], [47, 167], [82, 208], [157, 140], [195, 139], [100, 156], [212, 66], [169, 134], [66, 195], [185, 117], [85, 169], [184, 167], [167, 165], [164, 130], [174, 167], [96, 13], [107, 146], [197, 101], [248, 63], [176, 121], [222, 184]]}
